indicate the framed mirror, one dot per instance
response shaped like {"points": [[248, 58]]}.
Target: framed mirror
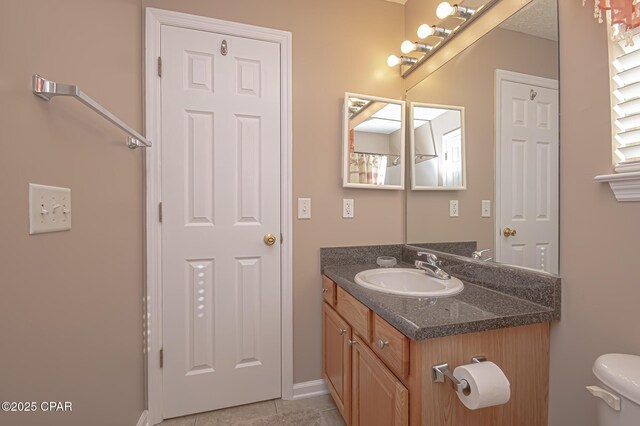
{"points": [[373, 142], [507, 84], [436, 147]]}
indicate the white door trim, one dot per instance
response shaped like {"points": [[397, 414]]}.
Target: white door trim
{"points": [[502, 75], [154, 19]]}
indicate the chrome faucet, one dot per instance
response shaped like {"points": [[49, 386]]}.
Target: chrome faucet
{"points": [[478, 255], [431, 266]]}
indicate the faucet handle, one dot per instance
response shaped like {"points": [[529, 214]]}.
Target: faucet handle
{"points": [[431, 258], [478, 253]]}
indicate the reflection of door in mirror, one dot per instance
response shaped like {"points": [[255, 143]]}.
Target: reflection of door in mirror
{"points": [[452, 158], [527, 168], [374, 142]]}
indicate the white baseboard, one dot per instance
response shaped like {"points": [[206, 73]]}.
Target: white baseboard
{"points": [[144, 419], [310, 389]]}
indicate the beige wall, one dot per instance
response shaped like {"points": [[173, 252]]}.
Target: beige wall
{"points": [[468, 81], [599, 236], [71, 302], [336, 48]]}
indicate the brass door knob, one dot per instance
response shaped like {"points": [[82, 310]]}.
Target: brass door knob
{"points": [[508, 232], [269, 239]]}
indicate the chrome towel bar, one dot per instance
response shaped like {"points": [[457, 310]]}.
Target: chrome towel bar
{"points": [[47, 89]]}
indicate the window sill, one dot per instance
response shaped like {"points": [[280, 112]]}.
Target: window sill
{"points": [[625, 186]]}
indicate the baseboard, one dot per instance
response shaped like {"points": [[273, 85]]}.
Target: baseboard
{"points": [[310, 389], [144, 419]]}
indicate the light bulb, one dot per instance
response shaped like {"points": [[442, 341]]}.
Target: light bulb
{"points": [[393, 60], [444, 9], [425, 31], [407, 46]]}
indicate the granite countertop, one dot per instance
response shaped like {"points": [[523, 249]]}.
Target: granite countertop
{"points": [[476, 308]]}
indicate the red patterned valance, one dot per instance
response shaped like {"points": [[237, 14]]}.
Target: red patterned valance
{"points": [[623, 16]]}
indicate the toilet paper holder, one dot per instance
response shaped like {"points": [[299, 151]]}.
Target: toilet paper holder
{"points": [[441, 372]]}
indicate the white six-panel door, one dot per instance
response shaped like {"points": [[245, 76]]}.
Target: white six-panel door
{"points": [[528, 163], [221, 196]]}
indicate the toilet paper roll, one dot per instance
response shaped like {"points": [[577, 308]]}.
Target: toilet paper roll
{"points": [[488, 386]]}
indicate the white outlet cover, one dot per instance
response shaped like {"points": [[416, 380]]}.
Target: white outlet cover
{"points": [[348, 208], [304, 208], [486, 208], [49, 209], [454, 211]]}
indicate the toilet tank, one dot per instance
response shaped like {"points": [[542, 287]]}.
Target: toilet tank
{"points": [[618, 391]]}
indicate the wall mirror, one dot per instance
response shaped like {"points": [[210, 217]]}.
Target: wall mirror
{"points": [[507, 83], [436, 147], [373, 142]]}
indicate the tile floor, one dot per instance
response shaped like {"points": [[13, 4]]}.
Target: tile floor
{"points": [[317, 411]]}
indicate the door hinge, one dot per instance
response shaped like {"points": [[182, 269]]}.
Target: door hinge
{"points": [[160, 212], [161, 357], [159, 66]]}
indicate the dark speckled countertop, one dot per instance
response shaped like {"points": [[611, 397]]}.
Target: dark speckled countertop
{"points": [[476, 308]]}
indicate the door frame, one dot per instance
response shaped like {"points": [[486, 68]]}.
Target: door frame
{"points": [[154, 19], [514, 77]]}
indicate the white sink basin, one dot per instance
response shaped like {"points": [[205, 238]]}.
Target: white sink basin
{"points": [[408, 282]]}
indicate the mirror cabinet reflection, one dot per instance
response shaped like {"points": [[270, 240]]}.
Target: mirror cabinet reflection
{"points": [[436, 147], [505, 86], [373, 142]]}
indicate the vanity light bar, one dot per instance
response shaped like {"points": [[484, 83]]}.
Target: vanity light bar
{"points": [[444, 10]]}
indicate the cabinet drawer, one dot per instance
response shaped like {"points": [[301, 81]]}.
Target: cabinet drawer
{"points": [[329, 291], [354, 312], [391, 346]]}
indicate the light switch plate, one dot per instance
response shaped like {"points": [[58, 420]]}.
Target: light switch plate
{"points": [[486, 208], [347, 208], [304, 208], [453, 208], [49, 209]]}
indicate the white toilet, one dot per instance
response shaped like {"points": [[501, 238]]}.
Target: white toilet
{"points": [[619, 390]]}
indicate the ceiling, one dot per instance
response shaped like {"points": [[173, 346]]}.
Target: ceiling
{"points": [[539, 18]]}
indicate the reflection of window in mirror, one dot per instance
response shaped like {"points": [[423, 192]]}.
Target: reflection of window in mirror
{"points": [[374, 142]]}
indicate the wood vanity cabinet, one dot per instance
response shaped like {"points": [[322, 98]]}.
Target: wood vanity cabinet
{"points": [[379, 377], [365, 391]]}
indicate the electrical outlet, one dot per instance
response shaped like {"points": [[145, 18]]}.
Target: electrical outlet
{"points": [[453, 208], [49, 209], [347, 208], [486, 208], [304, 208]]}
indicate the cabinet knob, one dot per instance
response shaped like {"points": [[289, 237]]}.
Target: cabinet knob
{"points": [[324, 290], [382, 343], [352, 342], [342, 331]]}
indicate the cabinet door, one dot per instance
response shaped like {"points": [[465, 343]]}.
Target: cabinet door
{"points": [[379, 398], [336, 360]]}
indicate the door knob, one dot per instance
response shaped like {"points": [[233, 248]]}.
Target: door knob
{"points": [[508, 232], [269, 239]]}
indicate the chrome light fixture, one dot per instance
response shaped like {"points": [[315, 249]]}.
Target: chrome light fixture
{"points": [[425, 31], [445, 9], [394, 60], [408, 46]]}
